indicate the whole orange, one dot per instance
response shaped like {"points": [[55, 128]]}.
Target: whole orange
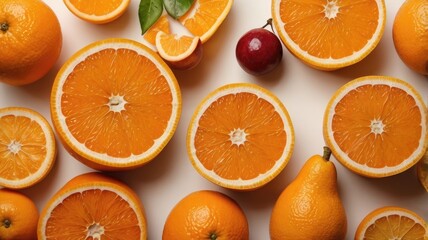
{"points": [[30, 40], [410, 34], [18, 216], [206, 215]]}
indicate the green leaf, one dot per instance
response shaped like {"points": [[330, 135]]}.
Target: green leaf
{"points": [[177, 8], [149, 12]]}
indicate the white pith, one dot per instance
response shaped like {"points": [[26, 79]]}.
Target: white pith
{"points": [[240, 183], [362, 167], [104, 158], [238, 136], [15, 147]]}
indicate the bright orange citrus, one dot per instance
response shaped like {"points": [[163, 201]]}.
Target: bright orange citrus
{"points": [[240, 136], [98, 11], [18, 216], [93, 206], [376, 126], [27, 147], [329, 34], [30, 41], [162, 24], [206, 215], [115, 104]]}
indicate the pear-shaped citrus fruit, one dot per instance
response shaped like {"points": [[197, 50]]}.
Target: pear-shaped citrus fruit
{"points": [[310, 207], [422, 171]]}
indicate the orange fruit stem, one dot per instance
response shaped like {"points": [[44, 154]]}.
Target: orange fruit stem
{"points": [[4, 26], [327, 153]]}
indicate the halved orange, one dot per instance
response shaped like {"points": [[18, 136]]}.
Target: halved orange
{"points": [[27, 147], [205, 17], [392, 222], [97, 11], [182, 52], [327, 34], [115, 104], [93, 206], [240, 136], [376, 126], [162, 24]]}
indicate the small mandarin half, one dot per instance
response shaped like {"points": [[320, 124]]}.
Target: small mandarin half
{"points": [[240, 136], [115, 104], [206, 214], [97, 11], [327, 34], [376, 126], [392, 222], [93, 206], [27, 147]]}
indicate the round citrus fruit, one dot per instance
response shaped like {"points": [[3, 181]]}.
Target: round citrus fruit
{"points": [[93, 206], [376, 126], [240, 136], [97, 11], [180, 52], [205, 17], [27, 147], [410, 34], [392, 222], [341, 33], [115, 104], [206, 215], [30, 40], [18, 216]]}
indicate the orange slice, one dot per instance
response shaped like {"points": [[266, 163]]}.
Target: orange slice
{"points": [[162, 24], [341, 32], [422, 171], [240, 136], [376, 126], [182, 52], [93, 206], [97, 11], [205, 17], [27, 147], [115, 104], [392, 223]]}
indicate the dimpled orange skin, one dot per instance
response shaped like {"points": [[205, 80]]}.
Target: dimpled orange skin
{"points": [[410, 34], [206, 214], [310, 207], [22, 214], [30, 41]]}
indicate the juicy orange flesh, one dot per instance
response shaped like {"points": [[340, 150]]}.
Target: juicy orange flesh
{"points": [[395, 227], [206, 13], [174, 46], [349, 31], [133, 124], [22, 147], [161, 24], [96, 7], [265, 137], [93, 211], [393, 109]]}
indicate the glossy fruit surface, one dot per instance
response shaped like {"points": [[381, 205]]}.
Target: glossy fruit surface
{"points": [[206, 214], [258, 51], [27, 28], [18, 216], [310, 206], [410, 34]]}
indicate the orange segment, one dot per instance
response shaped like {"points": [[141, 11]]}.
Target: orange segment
{"points": [[392, 223], [175, 48], [27, 147], [115, 104], [97, 11], [240, 136], [205, 17], [162, 24], [341, 32], [93, 206], [376, 126]]}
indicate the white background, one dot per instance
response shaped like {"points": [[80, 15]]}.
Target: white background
{"points": [[303, 90]]}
